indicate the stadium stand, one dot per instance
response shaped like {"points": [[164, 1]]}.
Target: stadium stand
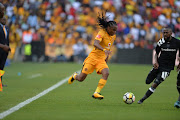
{"points": [[51, 29]]}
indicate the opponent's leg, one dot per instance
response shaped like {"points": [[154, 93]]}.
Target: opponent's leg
{"points": [[101, 84], [151, 76], [148, 93], [160, 78]]}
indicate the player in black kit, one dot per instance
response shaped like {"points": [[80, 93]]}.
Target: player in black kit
{"points": [[165, 56]]}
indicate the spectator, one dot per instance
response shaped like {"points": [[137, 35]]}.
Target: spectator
{"points": [[79, 52], [62, 23]]}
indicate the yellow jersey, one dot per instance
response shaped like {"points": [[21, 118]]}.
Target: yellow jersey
{"points": [[106, 41]]}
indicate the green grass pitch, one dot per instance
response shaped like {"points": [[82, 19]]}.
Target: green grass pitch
{"points": [[74, 102]]}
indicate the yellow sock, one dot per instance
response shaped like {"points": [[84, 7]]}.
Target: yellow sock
{"points": [[101, 84], [74, 76]]}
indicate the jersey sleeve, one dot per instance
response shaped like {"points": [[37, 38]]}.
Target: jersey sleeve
{"points": [[100, 35], [158, 49]]}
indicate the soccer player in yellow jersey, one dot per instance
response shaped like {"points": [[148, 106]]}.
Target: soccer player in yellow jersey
{"points": [[99, 55]]}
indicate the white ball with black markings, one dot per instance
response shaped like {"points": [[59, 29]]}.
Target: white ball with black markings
{"points": [[129, 98]]}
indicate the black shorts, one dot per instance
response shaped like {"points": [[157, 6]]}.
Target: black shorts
{"points": [[178, 76], [158, 74]]}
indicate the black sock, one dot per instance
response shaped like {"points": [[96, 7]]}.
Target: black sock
{"points": [[148, 93], [178, 88]]}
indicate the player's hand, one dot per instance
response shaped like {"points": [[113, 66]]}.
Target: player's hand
{"points": [[107, 52], [156, 65], [6, 48], [178, 67]]}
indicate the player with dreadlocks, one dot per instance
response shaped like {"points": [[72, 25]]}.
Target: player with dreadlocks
{"points": [[97, 59]]}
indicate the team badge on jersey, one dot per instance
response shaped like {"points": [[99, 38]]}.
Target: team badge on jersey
{"points": [[109, 45], [85, 69]]}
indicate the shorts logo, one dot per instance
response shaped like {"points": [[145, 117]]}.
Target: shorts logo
{"points": [[164, 75], [98, 36], [85, 69]]}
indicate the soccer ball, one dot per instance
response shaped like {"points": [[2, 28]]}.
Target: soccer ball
{"points": [[129, 98]]}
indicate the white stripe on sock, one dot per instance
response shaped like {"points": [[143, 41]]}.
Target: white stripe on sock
{"points": [[151, 89]]}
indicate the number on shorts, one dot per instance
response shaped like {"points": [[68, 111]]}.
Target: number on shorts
{"points": [[165, 75]]}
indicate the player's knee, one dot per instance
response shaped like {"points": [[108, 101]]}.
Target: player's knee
{"points": [[81, 78], [148, 81], [158, 81], [106, 74]]}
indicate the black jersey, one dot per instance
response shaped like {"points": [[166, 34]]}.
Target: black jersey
{"points": [[167, 51]]}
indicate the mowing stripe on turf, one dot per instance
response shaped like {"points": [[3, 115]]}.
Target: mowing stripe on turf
{"points": [[35, 75], [22, 104]]}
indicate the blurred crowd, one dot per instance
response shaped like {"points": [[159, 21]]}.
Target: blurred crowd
{"points": [[62, 30]]}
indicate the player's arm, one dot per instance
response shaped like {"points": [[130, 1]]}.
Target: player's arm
{"points": [[107, 57], [156, 64], [97, 45], [178, 67], [6, 48], [178, 56]]}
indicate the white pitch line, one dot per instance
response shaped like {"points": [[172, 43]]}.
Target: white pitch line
{"points": [[35, 75], [22, 104]]}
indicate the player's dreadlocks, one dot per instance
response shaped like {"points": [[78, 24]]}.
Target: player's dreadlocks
{"points": [[103, 23]]}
